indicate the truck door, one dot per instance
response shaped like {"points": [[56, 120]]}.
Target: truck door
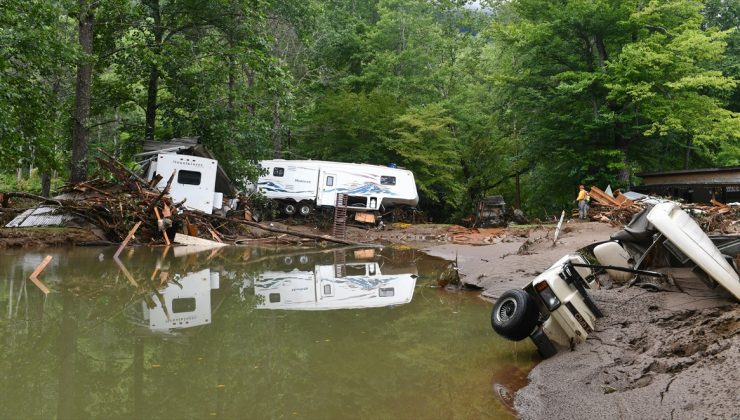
{"points": [[327, 189]]}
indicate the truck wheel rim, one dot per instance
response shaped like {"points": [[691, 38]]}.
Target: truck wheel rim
{"points": [[506, 310]]}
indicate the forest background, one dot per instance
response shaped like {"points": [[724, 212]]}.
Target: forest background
{"points": [[523, 98]]}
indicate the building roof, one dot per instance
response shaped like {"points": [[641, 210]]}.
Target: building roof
{"points": [[708, 176]]}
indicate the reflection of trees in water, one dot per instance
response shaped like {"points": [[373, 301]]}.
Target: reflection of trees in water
{"points": [[84, 356]]}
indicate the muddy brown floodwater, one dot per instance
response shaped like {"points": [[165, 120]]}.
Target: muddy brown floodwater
{"points": [[248, 332]]}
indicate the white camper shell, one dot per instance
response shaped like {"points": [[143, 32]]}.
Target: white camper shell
{"points": [[301, 184], [194, 181]]}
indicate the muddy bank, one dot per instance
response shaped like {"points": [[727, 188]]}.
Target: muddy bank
{"points": [[519, 256], [655, 354], [47, 236]]}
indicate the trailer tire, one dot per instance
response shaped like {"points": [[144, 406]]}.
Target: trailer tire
{"points": [[304, 209], [514, 315], [289, 209]]}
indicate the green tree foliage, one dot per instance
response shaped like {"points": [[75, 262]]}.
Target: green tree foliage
{"points": [[36, 61], [424, 143], [524, 98], [610, 87]]}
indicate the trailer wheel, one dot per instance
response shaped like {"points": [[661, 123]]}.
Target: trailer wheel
{"points": [[304, 209], [514, 315], [289, 209]]}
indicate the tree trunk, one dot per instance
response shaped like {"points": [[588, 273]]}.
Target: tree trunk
{"points": [[46, 184], [80, 133], [251, 107], [687, 155], [622, 144], [153, 85], [277, 145]]}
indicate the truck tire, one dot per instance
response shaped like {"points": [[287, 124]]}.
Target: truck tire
{"points": [[289, 209], [304, 209], [514, 315]]}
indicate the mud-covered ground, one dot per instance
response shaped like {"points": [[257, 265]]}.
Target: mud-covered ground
{"points": [[47, 236], [671, 354], [654, 356]]}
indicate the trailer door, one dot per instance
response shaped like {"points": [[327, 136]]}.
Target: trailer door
{"points": [[327, 195]]}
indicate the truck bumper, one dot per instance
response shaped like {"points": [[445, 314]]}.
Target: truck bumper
{"points": [[545, 347]]}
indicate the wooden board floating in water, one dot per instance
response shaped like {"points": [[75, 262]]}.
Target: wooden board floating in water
{"points": [[34, 276]]}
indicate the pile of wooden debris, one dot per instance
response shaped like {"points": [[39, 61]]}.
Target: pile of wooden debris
{"points": [[117, 200], [618, 210]]}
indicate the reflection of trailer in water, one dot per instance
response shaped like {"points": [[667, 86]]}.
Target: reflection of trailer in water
{"points": [[187, 301], [339, 286]]}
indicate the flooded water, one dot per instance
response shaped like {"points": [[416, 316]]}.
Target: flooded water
{"points": [[245, 332]]}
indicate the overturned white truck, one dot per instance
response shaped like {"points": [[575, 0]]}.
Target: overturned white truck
{"points": [[556, 310], [300, 186]]}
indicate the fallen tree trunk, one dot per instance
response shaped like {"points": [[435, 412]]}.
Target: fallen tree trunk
{"points": [[8, 195], [285, 231]]}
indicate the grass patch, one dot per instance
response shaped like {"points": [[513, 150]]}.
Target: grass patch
{"points": [[30, 183]]}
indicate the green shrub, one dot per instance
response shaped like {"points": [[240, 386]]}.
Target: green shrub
{"points": [[30, 183]]}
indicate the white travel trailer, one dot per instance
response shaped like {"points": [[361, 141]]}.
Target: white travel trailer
{"points": [[195, 180], [187, 303], [299, 185], [344, 286]]}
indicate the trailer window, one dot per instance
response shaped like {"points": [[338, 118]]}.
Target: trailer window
{"points": [[188, 177], [329, 181], [278, 171], [181, 305], [274, 297], [355, 269], [386, 291], [388, 180]]}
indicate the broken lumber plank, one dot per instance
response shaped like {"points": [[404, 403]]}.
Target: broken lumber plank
{"points": [[597, 194], [161, 227], [128, 238], [214, 235], [164, 191], [39, 268], [196, 241], [557, 230], [125, 272]]}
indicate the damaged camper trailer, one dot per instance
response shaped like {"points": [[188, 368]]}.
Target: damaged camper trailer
{"points": [[199, 179], [300, 186]]}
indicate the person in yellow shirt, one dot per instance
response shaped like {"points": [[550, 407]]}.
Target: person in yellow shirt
{"points": [[582, 200]]}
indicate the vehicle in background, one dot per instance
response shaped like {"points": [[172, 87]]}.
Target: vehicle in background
{"points": [[299, 186], [491, 212], [556, 310]]}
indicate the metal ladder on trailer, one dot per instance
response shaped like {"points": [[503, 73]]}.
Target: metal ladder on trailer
{"points": [[340, 264], [340, 217]]}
